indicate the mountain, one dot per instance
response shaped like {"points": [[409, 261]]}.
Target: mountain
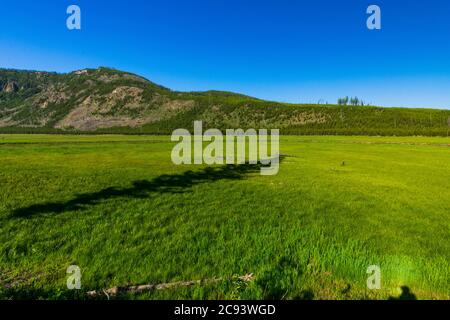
{"points": [[105, 100]]}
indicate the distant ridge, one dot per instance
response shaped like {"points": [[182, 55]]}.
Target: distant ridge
{"points": [[106, 100]]}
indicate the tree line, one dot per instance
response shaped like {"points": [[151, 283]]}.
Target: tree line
{"points": [[353, 101]]}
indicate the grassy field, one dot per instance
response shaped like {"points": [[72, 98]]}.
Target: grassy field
{"points": [[118, 208]]}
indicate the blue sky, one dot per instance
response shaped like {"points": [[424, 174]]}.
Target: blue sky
{"points": [[293, 51]]}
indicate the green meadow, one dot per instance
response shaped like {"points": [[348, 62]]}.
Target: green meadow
{"points": [[118, 208]]}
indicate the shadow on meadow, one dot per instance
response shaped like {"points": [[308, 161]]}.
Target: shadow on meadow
{"points": [[32, 293], [279, 281], [176, 183], [405, 295]]}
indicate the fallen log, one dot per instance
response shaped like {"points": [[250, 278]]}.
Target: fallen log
{"points": [[114, 291]]}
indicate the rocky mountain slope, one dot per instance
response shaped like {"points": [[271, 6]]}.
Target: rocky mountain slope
{"points": [[110, 101]]}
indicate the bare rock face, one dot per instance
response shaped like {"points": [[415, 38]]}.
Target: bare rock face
{"points": [[11, 87]]}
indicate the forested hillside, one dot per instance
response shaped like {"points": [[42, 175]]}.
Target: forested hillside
{"points": [[110, 101]]}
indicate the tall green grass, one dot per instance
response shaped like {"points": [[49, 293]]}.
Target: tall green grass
{"points": [[117, 207]]}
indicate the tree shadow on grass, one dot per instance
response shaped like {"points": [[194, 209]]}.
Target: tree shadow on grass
{"points": [[305, 295], [32, 293], [279, 282], [176, 183]]}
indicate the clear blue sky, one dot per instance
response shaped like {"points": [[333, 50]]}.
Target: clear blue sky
{"points": [[294, 51]]}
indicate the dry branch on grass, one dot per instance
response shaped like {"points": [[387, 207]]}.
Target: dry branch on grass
{"points": [[114, 291]]}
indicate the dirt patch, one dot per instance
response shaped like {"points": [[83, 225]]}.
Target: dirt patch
{"points": [[7, 122], [308, 118], [178, 104], [51, 95]]}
